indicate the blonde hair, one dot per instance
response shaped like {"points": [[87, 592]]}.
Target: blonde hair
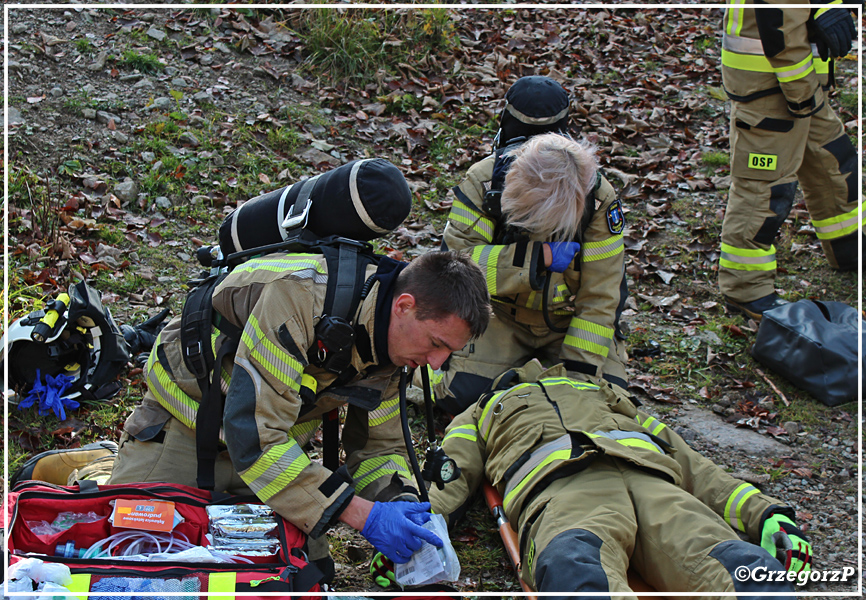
{"points": [[547, 185]]}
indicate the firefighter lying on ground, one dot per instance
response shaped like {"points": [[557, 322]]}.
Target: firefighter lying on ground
{"points": [[593, 485], [275, 398], [783, 130], [554, 263]]}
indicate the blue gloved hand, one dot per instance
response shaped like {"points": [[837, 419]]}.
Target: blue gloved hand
{"points": [[562, 253], [394, 529]]}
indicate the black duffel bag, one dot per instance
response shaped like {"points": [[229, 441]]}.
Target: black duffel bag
{"points": [[813, 345]]}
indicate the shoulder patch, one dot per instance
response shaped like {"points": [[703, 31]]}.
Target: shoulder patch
{"points": [[615, 217]]}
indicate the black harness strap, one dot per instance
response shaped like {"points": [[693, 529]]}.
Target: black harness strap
{"points": [[209, 419], [331, 440]]}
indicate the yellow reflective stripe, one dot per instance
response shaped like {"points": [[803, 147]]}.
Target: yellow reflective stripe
{"points": [[276, 361], [612, 246], [631, 439], [385, 412], [746, 62], [222, 583], [468, 432], [275, 469], [435, 376], [463, 213], [824, 9], [652, 424], [838, 226], [822, 67], [486, 419], [170, 396], [734, 505], [578, 385], [564, 454], [80, 585], [290, 262], [589, 336], [796, 71], [735, 17], [302, 433], [635, 443], [487, 257], [375, 468], [748, 259], [308, 381]]}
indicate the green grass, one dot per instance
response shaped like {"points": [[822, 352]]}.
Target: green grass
{"points": [[148, 64], [716, 159], [84, 46]]}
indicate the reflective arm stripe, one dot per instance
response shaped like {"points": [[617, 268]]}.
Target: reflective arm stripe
{"points": [[487, 258], [839, 226], [468, 432], [374, 468], [589, 336], [274, 470], [303, 432], [734, 505], [290, 262], [748, 259], [486, 420], [612, 246], [632, 439], [384, 413], [651, 423], [170, 396], [280, 364], [463, 213], [558, 449]]}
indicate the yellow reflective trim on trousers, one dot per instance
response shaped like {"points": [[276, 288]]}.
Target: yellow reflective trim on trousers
{"points": [[564, 454], [795, 72], [838, 226], [222, 583], [734, 505], [468, 432], [80, 585], [384, 412], [605, 249], [734, 16], [747, 62], [279, 363], [487, 257], [748, 259], [278, 467], [171, 397], [300, 430]]}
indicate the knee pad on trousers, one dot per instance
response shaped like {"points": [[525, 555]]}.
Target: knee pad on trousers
{"points": [[736, 556], [846, 155], [845, 252], [781, 202], [465, 389], [571, 562]]}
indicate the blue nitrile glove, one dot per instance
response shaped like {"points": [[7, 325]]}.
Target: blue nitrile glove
{"points": [[394, 529], [784, 540], [561, 255], [835, 31], [48, 396]]}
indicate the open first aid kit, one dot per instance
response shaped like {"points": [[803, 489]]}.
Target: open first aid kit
{"points": [[157, 538]]}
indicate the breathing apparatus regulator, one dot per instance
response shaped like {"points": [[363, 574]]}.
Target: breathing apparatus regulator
{"points": [[74, 335]]}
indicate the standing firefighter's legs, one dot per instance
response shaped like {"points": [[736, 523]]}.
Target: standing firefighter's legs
{"points": [[829, 179], [767, 147]]}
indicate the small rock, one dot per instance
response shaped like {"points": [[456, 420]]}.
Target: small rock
{"points": [[162, 202], [171, 71], [99, 63], [126, 190], [189, 138], [156, 167], [792, 427], [162, 103], [165, 279], [131, 77], [20, 28], [314, 156], [218, 160], [15, 116], [205, 60], [143, 84], [148, 157], [104, 117], [89, 113], [56, 92], [755, 478], [719, 409], [148, 17], [686, 433], [197, 121], [120, 138], [199, 200], [203, 97], [71, 25], [184, 256], [222, 48], [834, 442], [89, 89], [156, 34], [179, 82]]}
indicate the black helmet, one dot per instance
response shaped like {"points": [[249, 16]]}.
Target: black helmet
{"points": [[533, 104]]}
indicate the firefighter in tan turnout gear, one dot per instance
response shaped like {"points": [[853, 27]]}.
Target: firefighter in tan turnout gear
{"points": [[275, 397], [591, 485], [777, 70], [550, 243]]}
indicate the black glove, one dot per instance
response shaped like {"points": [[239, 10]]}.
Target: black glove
{"points": [[140, 338], [835, 31]]}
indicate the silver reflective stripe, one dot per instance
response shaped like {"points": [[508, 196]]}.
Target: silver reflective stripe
{"points": [[535, 458], [356, 198], [744, 45], [749, 260], [536, 120], [628, 435]]}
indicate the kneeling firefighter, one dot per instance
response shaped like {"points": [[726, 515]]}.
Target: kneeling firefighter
{"points": [[245, 377]]}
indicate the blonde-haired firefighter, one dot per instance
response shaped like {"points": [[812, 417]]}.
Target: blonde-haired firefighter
{"points": [[593, 485], [551, 246], [777, 74]]}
